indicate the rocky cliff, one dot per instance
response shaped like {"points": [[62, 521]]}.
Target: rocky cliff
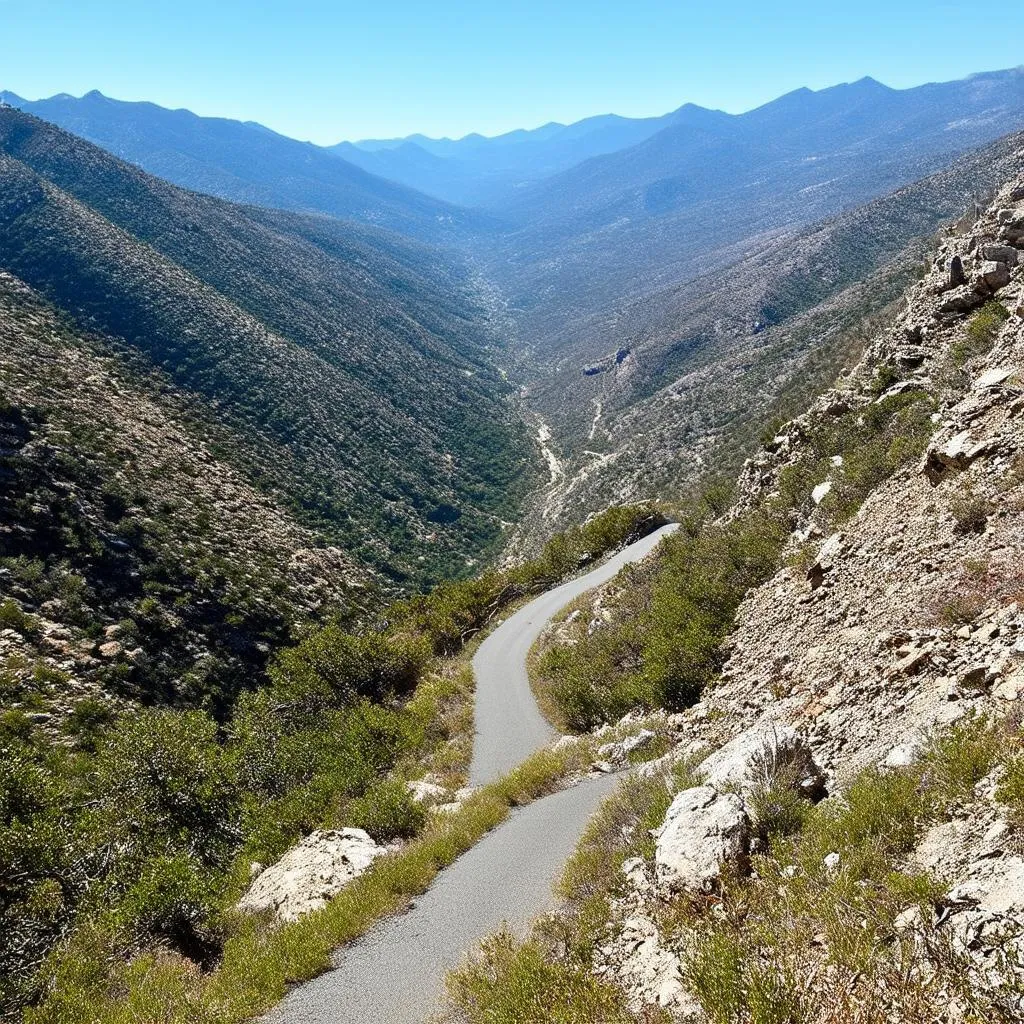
{"points": [[845, 837]]}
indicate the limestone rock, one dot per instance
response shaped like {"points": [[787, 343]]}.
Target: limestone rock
{"points": [[1000, 254], [744, 760], [424, 792], [311, 873], [617, 753], [703, 829]]}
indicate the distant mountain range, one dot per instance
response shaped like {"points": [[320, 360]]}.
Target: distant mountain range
{"points": [[246, 163], [475, 170]]}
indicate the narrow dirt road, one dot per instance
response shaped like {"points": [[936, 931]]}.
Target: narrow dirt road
{"points": [[395, 973]]}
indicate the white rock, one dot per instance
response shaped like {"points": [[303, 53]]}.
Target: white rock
{"points": [[831, 861], [903, 755], [994, 377], [423, 792], [309, 874], [821, 492], [733, 764], [702, 830]]}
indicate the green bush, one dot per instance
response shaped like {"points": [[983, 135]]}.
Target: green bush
{"points": [[665, 643], [386, 811], [331, 667], [166, 784], [980, 333]]}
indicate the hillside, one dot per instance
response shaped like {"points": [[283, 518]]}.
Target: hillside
{"points": [[691, 375], [247, 163], [345, 375], [835, 834]]}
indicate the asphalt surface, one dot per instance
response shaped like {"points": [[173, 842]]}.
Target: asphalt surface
{"points": [[509, 725], [395, 973]]}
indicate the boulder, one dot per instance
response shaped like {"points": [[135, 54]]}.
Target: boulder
{"points": [[760, 751], [956, 276], [424, 792], [994, 377], [702, 831], [619, 752], [310, 874], [961, 300], [958, 452], [828, 555], [997, 253], [993, 276]]}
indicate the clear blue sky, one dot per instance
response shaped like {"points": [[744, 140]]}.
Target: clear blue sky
{"points": [[329, 71]]}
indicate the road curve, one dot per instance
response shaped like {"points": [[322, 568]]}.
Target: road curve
{"points": [[395, 973], [509, 725]]}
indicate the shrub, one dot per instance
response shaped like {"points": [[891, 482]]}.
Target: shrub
{"points": [[13, 617], [970, 512], [167, 785], [665, 643], [386, 811], [331, 667], [516, 983], [980, 333]]}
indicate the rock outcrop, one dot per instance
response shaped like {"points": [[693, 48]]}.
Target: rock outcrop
{"points": [[703, 830], [311, 873]]}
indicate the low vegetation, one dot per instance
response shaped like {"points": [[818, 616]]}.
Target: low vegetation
{"points": [[756, 951], [549, 976], [132, 838], [980, 333]]}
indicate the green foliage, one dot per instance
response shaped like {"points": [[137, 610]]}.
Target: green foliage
{"points": [[980, 333], [13, 617], [331, 666], [387, 811], [873, 443], [167, 784], [665, 643], [970, 512], [515, 983]]}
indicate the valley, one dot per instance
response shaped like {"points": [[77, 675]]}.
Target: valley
{"points": [[570, 574]]}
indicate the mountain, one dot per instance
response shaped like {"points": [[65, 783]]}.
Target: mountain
{"points": [[698, 196], [476, 170], [245, 163], [650, 397], [345, 375]]}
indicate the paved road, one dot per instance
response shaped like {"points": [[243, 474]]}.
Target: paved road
{"points": [[509, 726], [395, 973]]}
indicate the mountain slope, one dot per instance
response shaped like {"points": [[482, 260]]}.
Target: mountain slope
{"points": [[131, 554], [349, 370], [246, 163], [695, 196], [692, 373]]}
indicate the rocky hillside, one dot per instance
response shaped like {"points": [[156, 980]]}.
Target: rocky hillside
{"points": [[134, 561], [692, 375], [837, 834], [219, 423], [352, 371]]}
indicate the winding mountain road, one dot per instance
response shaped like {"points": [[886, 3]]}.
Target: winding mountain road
{"points": [[395, 973]]}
